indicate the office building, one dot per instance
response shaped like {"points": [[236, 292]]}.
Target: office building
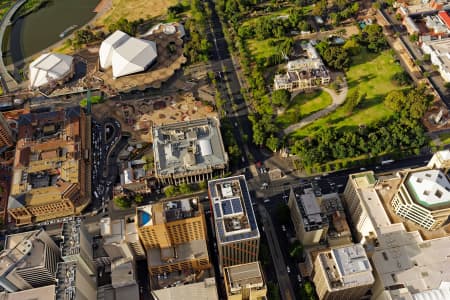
{"points": [[73, 283], [6, 135], [304, 73], [235, 224], [77, 244], [51, 175], [28, 261], [174, 235], [119, 237], [41, 293], [343, 273], [245, 282], [311, 224], [205, 290], [409, 261], [188, 152]]}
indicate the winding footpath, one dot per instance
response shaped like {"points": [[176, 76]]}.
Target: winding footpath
{"points": [[8, 81], [338, 99]]}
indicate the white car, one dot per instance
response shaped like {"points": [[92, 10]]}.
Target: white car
{"points": [[288, 269], [299, 278], [266, 200]]}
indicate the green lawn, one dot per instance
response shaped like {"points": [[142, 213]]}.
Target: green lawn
{"points": [[370, 73], [445, 138], [262, 49], [302, 106]]}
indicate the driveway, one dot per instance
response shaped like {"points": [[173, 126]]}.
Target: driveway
{"points": [[338, 99]]}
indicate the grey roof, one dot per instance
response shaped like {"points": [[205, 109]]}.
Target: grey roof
{"points": [[190, 146], [233, 211]]}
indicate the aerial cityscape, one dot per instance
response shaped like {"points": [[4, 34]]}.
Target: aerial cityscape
{"points": [[225, 150]]}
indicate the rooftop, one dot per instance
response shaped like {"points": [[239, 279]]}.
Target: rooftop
{"points": [[312, 216], [233, 211], [430, 188], [195, 249], [41, 293], [71, 238], [243, 276], [23, 250], [205, 290], [441, 48], [167, 211], [66, 278], [187, 147], [347, 267]]}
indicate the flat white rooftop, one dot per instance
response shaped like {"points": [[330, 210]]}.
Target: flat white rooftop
{"points": [[429, 188]]}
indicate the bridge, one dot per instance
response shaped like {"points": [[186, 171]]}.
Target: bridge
{"points": [[8, 82]]}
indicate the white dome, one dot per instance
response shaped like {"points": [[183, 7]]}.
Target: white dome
{"points": [[49, 66], [126, 55]]}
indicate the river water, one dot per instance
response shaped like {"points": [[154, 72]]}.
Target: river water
{"points": [[42, 28]]}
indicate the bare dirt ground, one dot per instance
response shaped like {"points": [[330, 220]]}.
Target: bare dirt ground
{"points": [[135, 9]]}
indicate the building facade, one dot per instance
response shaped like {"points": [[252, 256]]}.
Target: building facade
{"points": [[304, 73], [6, 135], [343, 273], [245, 282], [174, 235], [235, 224], [73, 283], [189, 152]]}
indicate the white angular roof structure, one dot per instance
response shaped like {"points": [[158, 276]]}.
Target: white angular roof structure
{"points": [[126, 55], [49, 66], [430, 187]]}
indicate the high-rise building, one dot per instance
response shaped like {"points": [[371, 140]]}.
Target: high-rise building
{"points": [[6, 136], [235, 224], [28, 261], [311, 224], [41, 293], [73, 283], [343, 273], [51, 175], [245, 282], [174, 235], [77, 245]]}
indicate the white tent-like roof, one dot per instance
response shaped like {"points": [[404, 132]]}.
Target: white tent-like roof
{"points": [[109, 45], [126, 55], [49, 66]]}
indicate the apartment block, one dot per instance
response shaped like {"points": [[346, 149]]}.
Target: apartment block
{"points": [[343, 273], [28, 261], [174, 235], [51, 175], [245, 282], [235, 224], [188, 152]]}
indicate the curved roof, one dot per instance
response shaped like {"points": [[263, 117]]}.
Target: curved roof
{"points": [[49, 66], [430, 187], [126, 55], [442, 293]]}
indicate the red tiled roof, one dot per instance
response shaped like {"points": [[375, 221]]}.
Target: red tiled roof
{"points": [[445, 18]]}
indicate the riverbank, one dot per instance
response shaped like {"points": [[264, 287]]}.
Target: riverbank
{"points": [[29, 7]]}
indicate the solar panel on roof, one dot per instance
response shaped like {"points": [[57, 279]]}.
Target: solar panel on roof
{"points": [[217, 210], [237, 206], [226, 207]]}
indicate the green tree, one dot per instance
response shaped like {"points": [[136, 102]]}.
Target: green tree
{"points": [[185, 188], [122, 202], [395, 100], [354, 97], [138, 199], [170, 191], [281, 97], [272, 143]]}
